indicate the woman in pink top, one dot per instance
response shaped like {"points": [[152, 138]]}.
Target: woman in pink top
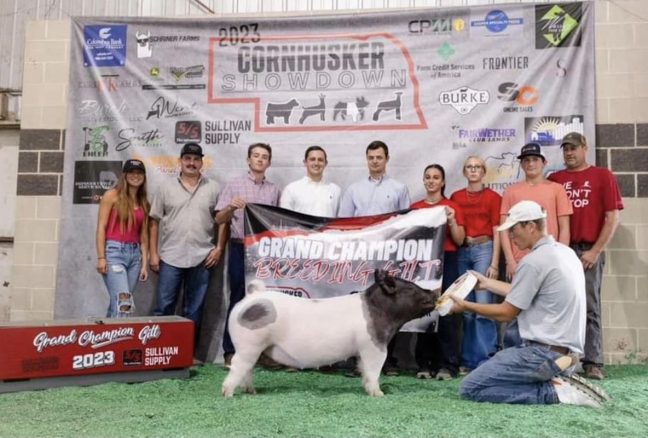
{"points": [[122, 238]]}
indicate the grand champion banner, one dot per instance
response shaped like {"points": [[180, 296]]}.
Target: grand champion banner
{"points": [[315, 257], [436, 85]]}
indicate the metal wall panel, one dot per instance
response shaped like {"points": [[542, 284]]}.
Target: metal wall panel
{"points": [[15, 13]]}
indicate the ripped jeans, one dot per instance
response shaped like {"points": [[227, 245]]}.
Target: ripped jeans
{"points": [[519, 375], [123, 261]]}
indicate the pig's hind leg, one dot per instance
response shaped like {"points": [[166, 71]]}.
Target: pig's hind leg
{"points": [[371, 362], [240, 373]]}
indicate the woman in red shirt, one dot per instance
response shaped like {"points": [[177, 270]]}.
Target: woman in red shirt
{"points": [[122, 238], [436, 352], [480, 252]]}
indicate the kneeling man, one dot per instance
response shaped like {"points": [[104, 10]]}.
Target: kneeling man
{"points": [[548, 298]]}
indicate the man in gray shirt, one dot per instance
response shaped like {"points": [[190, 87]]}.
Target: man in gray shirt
{"points": [[548, 298], [182, 218]]}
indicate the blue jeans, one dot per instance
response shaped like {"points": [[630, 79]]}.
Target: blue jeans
{"points": [[438, 350], [196, 282], [236, 273], [519, 375], [479, 333], [123, 261]]}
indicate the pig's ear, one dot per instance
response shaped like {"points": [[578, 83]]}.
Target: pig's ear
{"points": [[386, 282]]}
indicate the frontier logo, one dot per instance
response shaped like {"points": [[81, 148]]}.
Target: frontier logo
{"points": [[464, 99]]}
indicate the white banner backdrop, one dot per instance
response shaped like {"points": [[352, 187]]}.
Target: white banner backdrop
{"points": [[435, 84]]}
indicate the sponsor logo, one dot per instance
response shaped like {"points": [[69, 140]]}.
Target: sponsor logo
{"points": [[94, 141], [446, 51], [464, 99], [93, 178], [95, 111], [132, 357], [154, 72], [495, 23], [155, 356], [502, 170], [228, 131], [148, 139], [558, 25], [549, 130], [187, 131], [163, 108], [110, 83], [191, 72], [523, 96], [463, 137], [441, 25], [173, 87], [104, 46], [561, 69], [50, 363], [146, 42], [505, 63]]}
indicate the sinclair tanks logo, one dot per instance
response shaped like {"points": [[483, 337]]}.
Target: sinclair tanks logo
{"points": [[362, 82]]}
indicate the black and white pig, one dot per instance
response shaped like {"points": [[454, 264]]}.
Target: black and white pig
{"points": [[304, 333]]}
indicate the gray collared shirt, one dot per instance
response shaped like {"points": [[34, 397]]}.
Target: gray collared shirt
{"points": [[186, 221], [369, 196]]}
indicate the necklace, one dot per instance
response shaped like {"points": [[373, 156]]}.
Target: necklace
{"points": [[474, 197]]}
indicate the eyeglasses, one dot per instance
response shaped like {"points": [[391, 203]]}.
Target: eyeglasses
{"points": [[473, 167]]}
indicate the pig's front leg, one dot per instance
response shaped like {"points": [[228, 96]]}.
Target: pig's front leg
{"points": [[371, 361]]}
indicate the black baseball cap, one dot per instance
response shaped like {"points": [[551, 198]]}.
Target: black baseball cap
{"points": [[191, 149], [133, 164], [574, 138], [531, 149]]}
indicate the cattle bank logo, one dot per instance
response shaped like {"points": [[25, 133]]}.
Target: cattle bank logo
{"points": [[549, 130], [464, 99], [104, 46], [558, 25]]}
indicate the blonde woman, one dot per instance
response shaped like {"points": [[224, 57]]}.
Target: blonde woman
{"points": [[122, 238], [480, 252]]}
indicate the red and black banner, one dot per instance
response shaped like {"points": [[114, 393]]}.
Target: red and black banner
{"points": [[317, 257]]}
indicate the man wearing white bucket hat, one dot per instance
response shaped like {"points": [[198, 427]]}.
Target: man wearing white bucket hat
{"points": [[548, 298]]}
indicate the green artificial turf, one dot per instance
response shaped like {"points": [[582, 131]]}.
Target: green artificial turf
{"points": [[309, 404]]}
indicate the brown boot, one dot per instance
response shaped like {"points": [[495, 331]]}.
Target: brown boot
{"points": [[594, 372]]}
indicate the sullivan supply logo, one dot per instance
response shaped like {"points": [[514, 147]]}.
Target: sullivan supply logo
{"points": [[464, 99], [549, 130], [558, 25], [104, 46], [496, 23]]}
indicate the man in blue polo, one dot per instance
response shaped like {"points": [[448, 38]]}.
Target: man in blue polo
{"points": [[376, 194]]}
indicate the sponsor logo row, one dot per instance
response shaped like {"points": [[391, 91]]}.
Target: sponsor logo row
{"points": [[556, 25]]}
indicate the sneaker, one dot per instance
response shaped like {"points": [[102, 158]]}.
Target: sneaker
{"points": [[227, 360], [464, 371], [572, 394], [594, 372], [586, 386], [424, 374], [444, 374]]}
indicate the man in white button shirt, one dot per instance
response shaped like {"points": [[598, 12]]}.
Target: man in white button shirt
{"points": [[311, 194]]}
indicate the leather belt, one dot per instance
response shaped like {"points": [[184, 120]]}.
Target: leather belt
{"points": [[234, 240], [558, 349], [474, 241]]}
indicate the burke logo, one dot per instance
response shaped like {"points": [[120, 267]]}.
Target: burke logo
{"points": [[464, 99]]}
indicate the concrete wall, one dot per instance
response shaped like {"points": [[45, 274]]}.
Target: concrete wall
{"points": [[622, 145]]}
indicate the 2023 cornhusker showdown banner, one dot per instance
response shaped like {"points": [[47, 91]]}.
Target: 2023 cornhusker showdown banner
{"points": [[314, 257], [435, 84]]}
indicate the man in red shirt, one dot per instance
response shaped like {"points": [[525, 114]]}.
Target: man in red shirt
{"points": [[596, 199]]}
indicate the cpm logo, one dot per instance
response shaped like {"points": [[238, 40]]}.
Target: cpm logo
{"points": [[524, 95], [436, 25]]}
